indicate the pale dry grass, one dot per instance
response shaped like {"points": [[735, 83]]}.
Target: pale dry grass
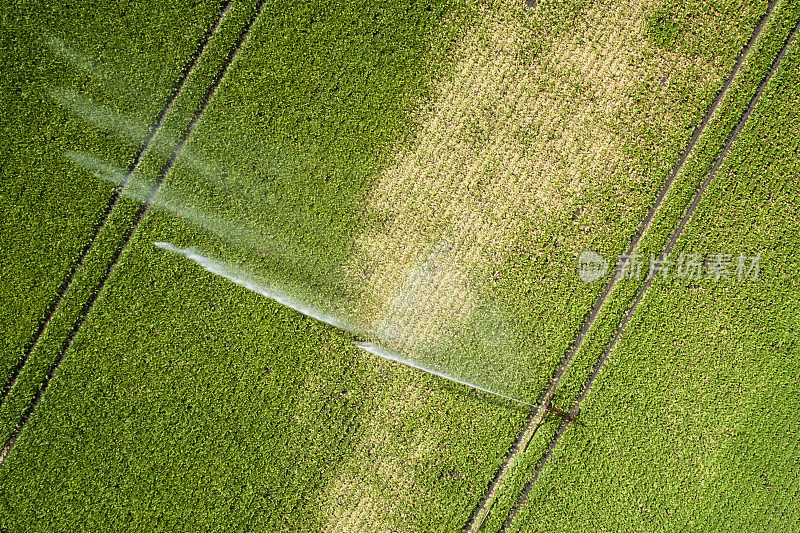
{"points": [[377, 492], [502, 143]]}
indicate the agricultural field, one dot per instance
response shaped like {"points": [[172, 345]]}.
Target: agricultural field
{"points": [[420, 179], [593, 349], [691, 423], [56, 56], [150, 147]]}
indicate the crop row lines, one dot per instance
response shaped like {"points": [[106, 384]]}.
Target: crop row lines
{"points": [[112, 202], [138, 216], [520, 444], [649, 280]]}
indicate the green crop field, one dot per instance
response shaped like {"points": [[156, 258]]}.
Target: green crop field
{"points": [[692, 422], [49, 207], [423, 177]]}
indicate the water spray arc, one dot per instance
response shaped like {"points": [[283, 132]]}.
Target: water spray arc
{"points": [[415, 304], [285, 298]]}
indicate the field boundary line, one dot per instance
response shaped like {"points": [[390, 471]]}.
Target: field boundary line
{"points": [[106, 213], [649, 280], [481, 511], [140, 213]]}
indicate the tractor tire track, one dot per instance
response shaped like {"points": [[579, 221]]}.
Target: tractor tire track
{"points": [[519, 445], [109, 207], [648, 282], [139, 216]]}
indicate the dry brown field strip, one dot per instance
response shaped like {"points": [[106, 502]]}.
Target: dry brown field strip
{"points": [[519, 446]]}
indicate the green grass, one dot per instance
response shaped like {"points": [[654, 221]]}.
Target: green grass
{"points": [[691, 423], [304, 147], [696, 169], [125, 127], [642, 148], [209, 406], [307, 116], [187, 402], [128, 59], [268, 402], [539, 272]]}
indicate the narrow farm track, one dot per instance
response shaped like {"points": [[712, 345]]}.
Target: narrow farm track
{"points": [[519, 446], [139, 215], [648, 282], [112, 202]]}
